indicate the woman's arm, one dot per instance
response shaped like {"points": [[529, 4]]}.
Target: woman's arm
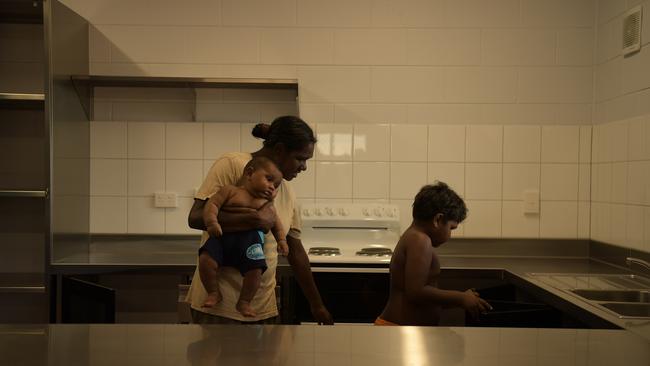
{"points": [[212, 207], [280, 235], [233, 219], [302, 270]]}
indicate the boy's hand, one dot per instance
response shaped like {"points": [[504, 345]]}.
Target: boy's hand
{"points": [[473, 304], [283, 248], [215, 230]]}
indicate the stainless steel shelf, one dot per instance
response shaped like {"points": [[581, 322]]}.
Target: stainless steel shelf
{"points": [[21, 193], [22, 100], [22, 289], [22, 96], [176, 82]]}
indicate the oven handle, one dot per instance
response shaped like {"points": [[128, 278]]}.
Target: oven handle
{"points": [[349, 270]]}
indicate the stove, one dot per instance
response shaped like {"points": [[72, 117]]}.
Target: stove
{"points": [[349, 233]]}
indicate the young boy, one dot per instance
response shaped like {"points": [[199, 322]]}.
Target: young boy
{"points": [[414, 296], [243, 250]]}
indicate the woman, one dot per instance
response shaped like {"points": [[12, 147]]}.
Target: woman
{"points": [[289, 142]]}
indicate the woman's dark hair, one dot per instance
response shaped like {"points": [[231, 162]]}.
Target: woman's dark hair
{"points": [[291, 131], [438, 198]]}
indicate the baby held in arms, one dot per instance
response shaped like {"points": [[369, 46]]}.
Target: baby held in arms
{"points": [[243, 250]]}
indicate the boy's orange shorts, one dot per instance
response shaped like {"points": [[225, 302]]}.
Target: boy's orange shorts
{"points": [[380, 321]]}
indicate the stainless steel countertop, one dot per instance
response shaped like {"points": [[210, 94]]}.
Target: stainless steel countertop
{"points": [[180, 254], [179, 345]]}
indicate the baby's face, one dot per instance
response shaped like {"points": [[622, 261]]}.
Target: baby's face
{"points": [[265, 180]]}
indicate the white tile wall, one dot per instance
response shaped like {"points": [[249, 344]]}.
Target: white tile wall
{"points": [[361, 161], [146, 140], [408, 143], [484, 144], [521, 144], [620, 183], [365, 63]]}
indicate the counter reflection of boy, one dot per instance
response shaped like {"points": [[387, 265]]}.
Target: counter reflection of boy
{"points": [[243, 250], [415, 298]]}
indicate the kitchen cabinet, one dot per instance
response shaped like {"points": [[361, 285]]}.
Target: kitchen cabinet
{"points": [[359, 296], [42, 43]]}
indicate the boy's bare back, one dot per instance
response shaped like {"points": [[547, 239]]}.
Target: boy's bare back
{"points": [[413, 258], [415, 298]]}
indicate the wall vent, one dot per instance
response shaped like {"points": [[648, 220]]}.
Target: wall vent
{"points": [[632, 30]]}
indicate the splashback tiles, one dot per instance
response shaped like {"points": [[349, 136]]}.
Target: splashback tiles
{"points": [[406, 179], [560, 144], [354, 162], [370, 180], [220, 138], [451, 173], [484, 144], [620, 183], [521, 144], [334, 142], [146, 140], [446, 143], [333, 180], [108, 140], [371, 142], [408, 143], [184, 140], [519, 177], [552, 224]]}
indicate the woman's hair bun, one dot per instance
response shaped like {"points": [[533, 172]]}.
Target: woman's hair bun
{"points": [[261, 130]]}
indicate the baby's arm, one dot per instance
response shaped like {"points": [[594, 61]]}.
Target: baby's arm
{"points": [[280, 235], [211, 209]]}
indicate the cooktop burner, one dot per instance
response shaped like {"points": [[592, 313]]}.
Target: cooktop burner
{"points": [[324, 251], [375, 252]]}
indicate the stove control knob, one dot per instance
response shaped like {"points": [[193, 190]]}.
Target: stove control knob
{"points": [[344, 211], [306, 212], [378, 211], [318, 212], [365, 211], [329, 211], [390, 213]]}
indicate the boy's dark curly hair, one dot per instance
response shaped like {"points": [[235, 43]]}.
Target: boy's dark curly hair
{"points": [[438, 198]]}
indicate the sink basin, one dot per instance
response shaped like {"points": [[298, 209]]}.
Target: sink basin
{"points": [[629, 310], [633, 296]]}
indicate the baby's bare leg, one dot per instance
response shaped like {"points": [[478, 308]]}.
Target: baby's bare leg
{"points": [[208, 271], [251, 283]]}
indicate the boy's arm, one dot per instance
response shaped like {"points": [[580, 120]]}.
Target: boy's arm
{"points": [[417, 289], [211, 209]]}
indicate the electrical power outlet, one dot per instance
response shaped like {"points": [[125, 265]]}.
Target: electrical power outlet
{"points": [[165, 199]]}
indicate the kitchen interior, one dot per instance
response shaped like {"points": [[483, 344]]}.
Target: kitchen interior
{"points": [[537, 112]]}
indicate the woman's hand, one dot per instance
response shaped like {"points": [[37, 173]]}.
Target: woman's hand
{"points": [[321, 315]]}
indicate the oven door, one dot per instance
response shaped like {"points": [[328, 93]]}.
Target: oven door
{"points": [[352, 295]]}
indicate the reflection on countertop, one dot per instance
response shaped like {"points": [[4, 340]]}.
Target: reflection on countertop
{"points": [[115, 253], [56, 345]]}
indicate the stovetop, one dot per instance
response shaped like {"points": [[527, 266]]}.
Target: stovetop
{"points": [[350, 232]]}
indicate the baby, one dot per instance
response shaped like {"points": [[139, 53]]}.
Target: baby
{"points": [[244, 249]]}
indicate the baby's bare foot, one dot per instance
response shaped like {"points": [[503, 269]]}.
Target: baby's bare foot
{"points": [[213, 299], [244, 307]]}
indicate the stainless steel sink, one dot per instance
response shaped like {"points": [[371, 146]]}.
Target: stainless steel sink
{"points": [[628, 310], [622, 295], [633, 296]]}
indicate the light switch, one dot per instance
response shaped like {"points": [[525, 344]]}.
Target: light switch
{"points": [[531, 201]]}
